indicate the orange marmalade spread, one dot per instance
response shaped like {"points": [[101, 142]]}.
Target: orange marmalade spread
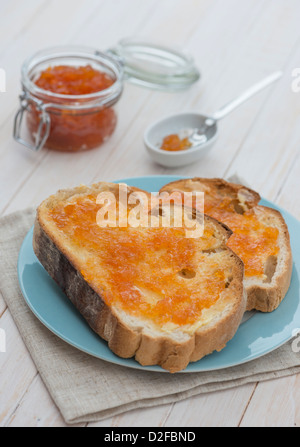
{"points": [[144, 271], [252, 240], [69, 80], [74, 130], [173, 143]]}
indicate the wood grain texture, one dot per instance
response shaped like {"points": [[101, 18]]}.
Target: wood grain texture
{"points": [[234, 44]]}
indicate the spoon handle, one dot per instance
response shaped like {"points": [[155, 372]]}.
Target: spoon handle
{"points": [[228, 108]]}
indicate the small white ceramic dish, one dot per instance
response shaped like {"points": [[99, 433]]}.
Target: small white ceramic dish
{"points": [[156, 132]]}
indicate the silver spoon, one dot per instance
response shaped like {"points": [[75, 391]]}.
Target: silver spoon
{"points": [[201, 130], [201, 135]]}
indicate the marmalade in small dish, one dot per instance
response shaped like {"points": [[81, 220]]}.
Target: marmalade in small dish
{"points": [[173, 143]]}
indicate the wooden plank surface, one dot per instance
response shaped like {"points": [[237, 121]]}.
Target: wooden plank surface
{"points": [[234, 44]]}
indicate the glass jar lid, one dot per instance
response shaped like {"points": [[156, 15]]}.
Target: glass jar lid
{"points": [[155, 66]]}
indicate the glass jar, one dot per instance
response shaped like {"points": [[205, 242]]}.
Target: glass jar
{"points": [[68, 122], [76, 122]]}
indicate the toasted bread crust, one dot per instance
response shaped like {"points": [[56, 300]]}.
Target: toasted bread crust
{"points": [[125, 341], [264, 297], [217, 184], [267, 297]]}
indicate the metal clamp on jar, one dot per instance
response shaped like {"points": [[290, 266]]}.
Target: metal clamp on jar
{"points": [[76, 122]]}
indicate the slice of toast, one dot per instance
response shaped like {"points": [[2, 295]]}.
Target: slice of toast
{"points": [[260, 237], [151, 292]]}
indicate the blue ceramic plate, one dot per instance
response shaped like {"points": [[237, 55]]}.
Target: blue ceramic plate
{"points": [[258, 335]]}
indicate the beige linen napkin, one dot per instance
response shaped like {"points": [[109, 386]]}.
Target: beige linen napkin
{"points": [[87, 389]]}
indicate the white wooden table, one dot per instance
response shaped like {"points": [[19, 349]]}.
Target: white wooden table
{"points": [[235, 43]]}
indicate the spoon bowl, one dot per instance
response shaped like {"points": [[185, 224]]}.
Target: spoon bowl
{"points": [[155, 134]]}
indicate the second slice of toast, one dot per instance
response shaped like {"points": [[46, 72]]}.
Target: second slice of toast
{"points": [[260, 237]]}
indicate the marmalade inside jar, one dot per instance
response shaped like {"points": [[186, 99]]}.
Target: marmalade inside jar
{"points": [[74, 130]]}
